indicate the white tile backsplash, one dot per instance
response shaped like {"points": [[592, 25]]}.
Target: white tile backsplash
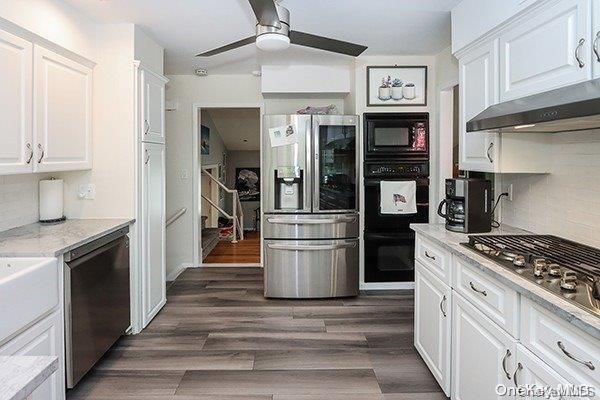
{"points": [[18, 200], [565, 202]]}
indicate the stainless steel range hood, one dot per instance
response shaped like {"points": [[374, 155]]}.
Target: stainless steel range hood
{"points": [[571, 108]]}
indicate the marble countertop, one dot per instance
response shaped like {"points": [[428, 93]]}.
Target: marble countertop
{"points": [[21, 375], [52, 240], [451, 241]]}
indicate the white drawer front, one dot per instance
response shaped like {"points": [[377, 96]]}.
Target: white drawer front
{"points": [[434, 258], [497, 301], [572, 353]]}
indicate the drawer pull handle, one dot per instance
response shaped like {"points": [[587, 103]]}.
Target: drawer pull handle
{"points": [[577, 51], [488, 152], [588, 364], [483, 292], [442, 308], [519, 367], [311, 248], [596, 50], [508, 354], [429, 256]]}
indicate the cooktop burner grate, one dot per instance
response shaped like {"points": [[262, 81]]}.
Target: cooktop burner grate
{"points": [[578, 257]]}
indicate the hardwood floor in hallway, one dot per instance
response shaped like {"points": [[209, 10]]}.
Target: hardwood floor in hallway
{"points": [[218, 338], [245, 251]]}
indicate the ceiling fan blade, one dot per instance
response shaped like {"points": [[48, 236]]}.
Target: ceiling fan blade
{"points": [[323, 43], [266, 12], [228, 47]]}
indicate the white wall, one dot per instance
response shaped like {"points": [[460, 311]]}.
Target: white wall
{"points": [[565, 202], [55, 21], [147, 50], [114, 139], [215, 90], [19, 200]]}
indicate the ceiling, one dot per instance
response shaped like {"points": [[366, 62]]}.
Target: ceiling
{"points": [[187, 27], [235, 125]]}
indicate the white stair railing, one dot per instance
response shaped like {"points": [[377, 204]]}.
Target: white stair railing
{"points": [[237, 216]]}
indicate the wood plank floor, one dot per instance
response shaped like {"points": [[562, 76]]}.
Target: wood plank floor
{"points": [[245, 251], [218, 338]]}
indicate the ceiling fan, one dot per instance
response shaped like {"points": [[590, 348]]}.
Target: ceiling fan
{"points": [[273, 33]]}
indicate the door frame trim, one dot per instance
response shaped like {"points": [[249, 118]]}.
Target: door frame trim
{"points": [[196, 118]]}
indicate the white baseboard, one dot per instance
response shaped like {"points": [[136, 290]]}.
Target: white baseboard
{"points": [[222, 265], [387, 286], [172, 275]]}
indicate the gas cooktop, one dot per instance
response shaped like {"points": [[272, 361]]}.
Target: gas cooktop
{"points": [[567, 269]]}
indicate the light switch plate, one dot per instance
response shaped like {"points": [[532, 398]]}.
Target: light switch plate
{"points": [[510, 190], [87, 191]]}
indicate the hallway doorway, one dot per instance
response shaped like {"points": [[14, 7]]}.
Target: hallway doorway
{"points": [[228, 186]]}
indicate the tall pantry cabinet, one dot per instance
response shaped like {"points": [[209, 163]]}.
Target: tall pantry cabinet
{"points": [[150, 111]]}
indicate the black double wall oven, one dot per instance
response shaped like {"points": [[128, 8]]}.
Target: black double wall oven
{"points": [[396, 149]]}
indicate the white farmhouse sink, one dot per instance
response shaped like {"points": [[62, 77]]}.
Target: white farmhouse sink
{"points": [[28, 290]]}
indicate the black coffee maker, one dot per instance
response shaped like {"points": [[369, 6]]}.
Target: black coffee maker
{"points": [[469, 205]]}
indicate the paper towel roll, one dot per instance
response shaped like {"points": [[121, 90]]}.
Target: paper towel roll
{"points": [[51, 200]]}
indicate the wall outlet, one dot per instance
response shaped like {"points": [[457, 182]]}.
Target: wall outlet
{"points": [[510, 190], [184, 174], [87, 191]]}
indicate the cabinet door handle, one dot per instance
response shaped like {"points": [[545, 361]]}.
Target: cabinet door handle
{"points": [[146, 127], [508, 354], [519, 367], [577, 50], [596, 49], [483, 292], [28, 147], [42, 154], [588, 364], [147, 158], [429, 256], [489, 154], [442, 308]]}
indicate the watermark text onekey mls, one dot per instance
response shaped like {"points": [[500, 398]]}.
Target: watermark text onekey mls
{"points": [[547, 392]]}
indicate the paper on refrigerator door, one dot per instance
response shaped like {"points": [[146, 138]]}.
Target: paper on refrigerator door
{"points": [[283, 135]]}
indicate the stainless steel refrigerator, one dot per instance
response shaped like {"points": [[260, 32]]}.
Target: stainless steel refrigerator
{"points": [[310, 201]]}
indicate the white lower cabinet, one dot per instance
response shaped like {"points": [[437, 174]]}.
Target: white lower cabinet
{"points": [[432, 324], [42, 339], [532, 374], [153, 230], [483, 355]]}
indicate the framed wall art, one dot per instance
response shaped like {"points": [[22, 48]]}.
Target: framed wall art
{"points": [[396, 86]]}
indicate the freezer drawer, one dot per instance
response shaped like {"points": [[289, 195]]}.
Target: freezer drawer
{"points": [[304, 269], [314, 226]]}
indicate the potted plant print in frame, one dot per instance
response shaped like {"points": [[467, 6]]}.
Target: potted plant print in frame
{"points": [[396, 86]]}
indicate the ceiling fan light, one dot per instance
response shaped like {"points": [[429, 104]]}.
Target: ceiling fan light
{"points": [[272, 42]]}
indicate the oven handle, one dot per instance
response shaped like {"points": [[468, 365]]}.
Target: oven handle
{"points": [[377, 182], [311, 247], [330, 221], [370, 236]]}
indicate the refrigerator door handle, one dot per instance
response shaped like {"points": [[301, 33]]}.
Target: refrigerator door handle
{"points": [[311, 247], [331, 221]]}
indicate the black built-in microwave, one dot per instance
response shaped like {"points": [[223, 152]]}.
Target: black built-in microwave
{"points": [[396, 135]]}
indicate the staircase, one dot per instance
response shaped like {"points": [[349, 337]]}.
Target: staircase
{"points": [[211, 236]]}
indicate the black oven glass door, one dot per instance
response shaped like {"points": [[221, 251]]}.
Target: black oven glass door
{"points": [[394, 137], [390, 257], [375, 221]]}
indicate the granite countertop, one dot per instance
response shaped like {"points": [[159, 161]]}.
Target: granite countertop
{"points": [[451, 241], [52, 240], [21, 375]]}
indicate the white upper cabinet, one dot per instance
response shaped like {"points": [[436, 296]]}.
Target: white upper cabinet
{"points": [[478, 83], [548, 50], [16, 149], [63, 113], [596, 39], [153, 106]]}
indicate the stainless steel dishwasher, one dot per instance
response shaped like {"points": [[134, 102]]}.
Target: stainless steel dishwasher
{"points": [[97, 307]]}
